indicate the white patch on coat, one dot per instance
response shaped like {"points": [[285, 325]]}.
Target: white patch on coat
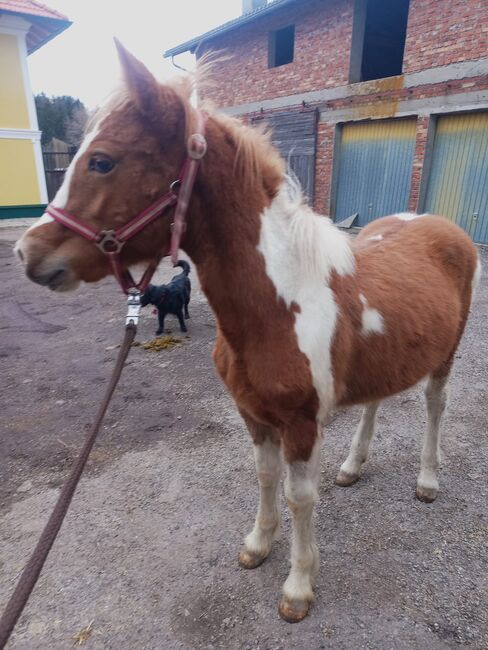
{"points": [[301, 491], [62, 195], [301, 249], [267, 524], [407, 216], [375, 238], [476, 278], [371, 319]]}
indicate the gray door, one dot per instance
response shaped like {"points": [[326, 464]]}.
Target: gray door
{"points": [[374, 169], [295, 135], [458, 179]]}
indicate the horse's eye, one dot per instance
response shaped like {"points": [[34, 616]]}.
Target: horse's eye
{"points": [[101, 165]]}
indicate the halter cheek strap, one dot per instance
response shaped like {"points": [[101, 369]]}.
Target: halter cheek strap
{"points": [[111, 242]]}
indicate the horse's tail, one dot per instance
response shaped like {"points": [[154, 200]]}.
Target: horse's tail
{"points": [[184, 265]]}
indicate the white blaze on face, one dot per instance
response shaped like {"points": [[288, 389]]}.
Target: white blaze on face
{"points": [[371, 319], [62, 195], [300, 250]]}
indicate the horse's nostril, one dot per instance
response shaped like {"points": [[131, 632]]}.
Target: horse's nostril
{"points": [[20, 254], [53, 279]]}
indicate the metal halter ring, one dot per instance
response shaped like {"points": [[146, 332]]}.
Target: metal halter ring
{"points": [[196, 146], [175, 186], [108, 242]]}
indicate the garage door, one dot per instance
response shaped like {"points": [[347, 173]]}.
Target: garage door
{"points": [[458, 179], [295, 135], [374, 169]]}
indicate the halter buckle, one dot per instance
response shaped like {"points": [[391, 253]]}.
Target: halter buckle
{"points": [[108, 242]]}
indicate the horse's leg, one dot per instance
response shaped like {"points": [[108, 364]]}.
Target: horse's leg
{"points": [[267, 455], [436, 397], [358, 453], [301, 491]]}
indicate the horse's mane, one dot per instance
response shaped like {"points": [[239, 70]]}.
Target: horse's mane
{"points": [[255, 154]]}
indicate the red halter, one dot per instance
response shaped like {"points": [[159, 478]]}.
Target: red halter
{"points": [[111, 242]]}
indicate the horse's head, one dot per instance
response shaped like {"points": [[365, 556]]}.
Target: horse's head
{"points": [[134, 149]]}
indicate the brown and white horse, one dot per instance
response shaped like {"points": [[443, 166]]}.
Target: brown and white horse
{"points": [[307, 318]]}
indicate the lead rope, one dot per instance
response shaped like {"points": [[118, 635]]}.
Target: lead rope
{"points": [[33, 568]]}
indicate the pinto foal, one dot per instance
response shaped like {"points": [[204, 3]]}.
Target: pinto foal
{"points": [[307, 319]]}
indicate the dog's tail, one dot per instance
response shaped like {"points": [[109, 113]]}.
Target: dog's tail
{"points": [[184, 265]]}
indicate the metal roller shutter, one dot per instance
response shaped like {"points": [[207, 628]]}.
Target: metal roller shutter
{"points": [[374, 169], [458, 180]]}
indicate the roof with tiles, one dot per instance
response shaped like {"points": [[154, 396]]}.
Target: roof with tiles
{"points": [[246, 18], [45, 23]]}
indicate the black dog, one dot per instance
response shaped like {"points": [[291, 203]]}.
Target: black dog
{"points": [[172, 298]]}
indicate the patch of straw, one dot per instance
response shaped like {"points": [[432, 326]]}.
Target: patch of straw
{"points": [[162, 343], [83, 635]]}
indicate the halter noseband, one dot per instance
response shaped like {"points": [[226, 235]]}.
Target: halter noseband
{"points": [[111, 242]]}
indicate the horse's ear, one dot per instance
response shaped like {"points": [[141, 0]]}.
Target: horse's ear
{"points": [[142, 86]]}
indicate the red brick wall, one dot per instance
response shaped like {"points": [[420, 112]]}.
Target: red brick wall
{"points": [[445, 31], [323, 167], [439, 32], [418, 161], [323, 32]]}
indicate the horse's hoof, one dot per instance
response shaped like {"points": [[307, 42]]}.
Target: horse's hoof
{"points": [[293, 611], [248, 560], [426, 494], [344, 479]]}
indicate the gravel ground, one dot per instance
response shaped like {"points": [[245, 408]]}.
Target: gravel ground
{"points": [[148, 551]]}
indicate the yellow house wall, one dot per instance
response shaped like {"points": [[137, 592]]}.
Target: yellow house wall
{"points": [[13, 102], [18, 174]]}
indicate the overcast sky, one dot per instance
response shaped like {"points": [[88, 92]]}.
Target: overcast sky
{"points": [[82, 61]]}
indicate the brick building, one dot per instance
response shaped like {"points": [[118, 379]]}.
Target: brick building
{"points": [[379, 105]]}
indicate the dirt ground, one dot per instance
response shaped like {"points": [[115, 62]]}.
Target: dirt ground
{"points": [[148, 551]]}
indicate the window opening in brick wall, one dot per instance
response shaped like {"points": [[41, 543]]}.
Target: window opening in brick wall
{"points": [[281, 46], [379, 31]]}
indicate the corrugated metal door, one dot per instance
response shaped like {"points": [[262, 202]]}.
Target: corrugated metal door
{"points": [[295, 135], [374, 169], [458, 180]]}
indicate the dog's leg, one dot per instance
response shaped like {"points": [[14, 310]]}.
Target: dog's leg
{"points": [[187, 302], [181, 321], [161, 316]]}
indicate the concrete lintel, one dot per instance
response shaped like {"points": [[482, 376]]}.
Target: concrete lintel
{"points": [[469, 101], [442, 74]]}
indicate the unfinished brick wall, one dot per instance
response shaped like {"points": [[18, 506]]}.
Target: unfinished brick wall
{"points": [[323, 167], [322, 38], [418, 161], [440, 32]]}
